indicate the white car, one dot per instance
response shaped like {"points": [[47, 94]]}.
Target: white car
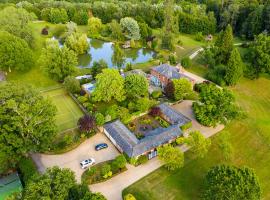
{"points": [[86, 163]]}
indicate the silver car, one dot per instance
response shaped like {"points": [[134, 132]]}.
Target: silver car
{"points": [[86, 163]]}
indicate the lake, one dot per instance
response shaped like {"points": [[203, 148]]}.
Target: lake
{"points": [[104, 50]]}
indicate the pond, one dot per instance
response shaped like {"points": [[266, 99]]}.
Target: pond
{"points": [[104, 50]]}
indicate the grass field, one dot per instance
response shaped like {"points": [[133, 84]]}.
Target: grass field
{"points": [[250, 139], [68, 111]]}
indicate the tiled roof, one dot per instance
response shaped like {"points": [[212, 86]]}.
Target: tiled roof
{"points": [[169, 71], [173, 115], [134, 147]]}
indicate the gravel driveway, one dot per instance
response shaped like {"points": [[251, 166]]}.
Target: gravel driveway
{"points": [[72, 158]]}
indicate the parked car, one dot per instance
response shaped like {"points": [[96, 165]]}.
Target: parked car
{"points": [[86, 163], [101, 146]]}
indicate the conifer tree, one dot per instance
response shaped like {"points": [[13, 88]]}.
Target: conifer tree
{"points": [[234, 69]]}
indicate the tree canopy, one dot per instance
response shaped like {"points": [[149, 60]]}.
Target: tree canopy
{"points": [[94, 26], [27, 122], [182, 88], [109, 86], [136, 86], [72, 85], [229, 182], [215, 106], [16, 22], [132, 28], [77, 42], [58, 62], [15, 53], [172, 157]]}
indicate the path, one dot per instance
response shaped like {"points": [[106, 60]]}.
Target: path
{"points": [[112, 189]]}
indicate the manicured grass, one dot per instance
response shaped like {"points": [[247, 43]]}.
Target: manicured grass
{"points": [[250, 138], [68, 112]]}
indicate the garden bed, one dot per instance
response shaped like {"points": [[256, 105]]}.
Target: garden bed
{"points": [[141, 126], [94, 174]]}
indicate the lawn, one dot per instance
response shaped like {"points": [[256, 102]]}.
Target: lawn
{"points": [[68, 112], [250, 138]]}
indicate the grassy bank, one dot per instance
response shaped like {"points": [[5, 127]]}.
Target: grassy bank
{"points": [[250, 139]]}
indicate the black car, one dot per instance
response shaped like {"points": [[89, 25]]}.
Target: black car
{"points": [[101, 146]]}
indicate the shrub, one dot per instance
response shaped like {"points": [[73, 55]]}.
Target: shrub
{"points": [[142, 159], [129, 197], [172, 59], [106, 171], [27, 169], [186, 62], [44, 31], [199, 36], [72, 85], [133, 161], [100, 119], [120, 161], [186, 126], [82, 99], [156, 94]]}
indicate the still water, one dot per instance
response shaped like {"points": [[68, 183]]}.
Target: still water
{"points": [[104, 50]]}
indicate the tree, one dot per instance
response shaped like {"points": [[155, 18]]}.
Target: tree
{"points": [[172, 157], [80, 17], [198, 143], [145, 30], [77, 42], [215, 106], [170, 25], [14, 53], [229, 182], [87, 123], [131, 27], [169, 90], [116, 30], [120, 161], [16, 22], [142, 104], [186, 62], [98, 67], [27, 122], [72, 84], [71, 27], [155, 111], [225, 44], [94, 26], [260, 52], [54, 184], [234, 70], [182, 88], [118, 56], [136, 86], [58, 15], [58, 62], [100, 119], [109, 86]]}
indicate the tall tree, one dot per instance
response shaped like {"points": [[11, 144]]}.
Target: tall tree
{"points": [[132, 28], [27, 122], [215, 106], [260, 54], [58, 62], [94, 26], [170, 25], [225, 44], [77, 42], [234, 70], [136, 86], [109, 86], [172, 157], [16, 22], [14, 53], [229, 182]]}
